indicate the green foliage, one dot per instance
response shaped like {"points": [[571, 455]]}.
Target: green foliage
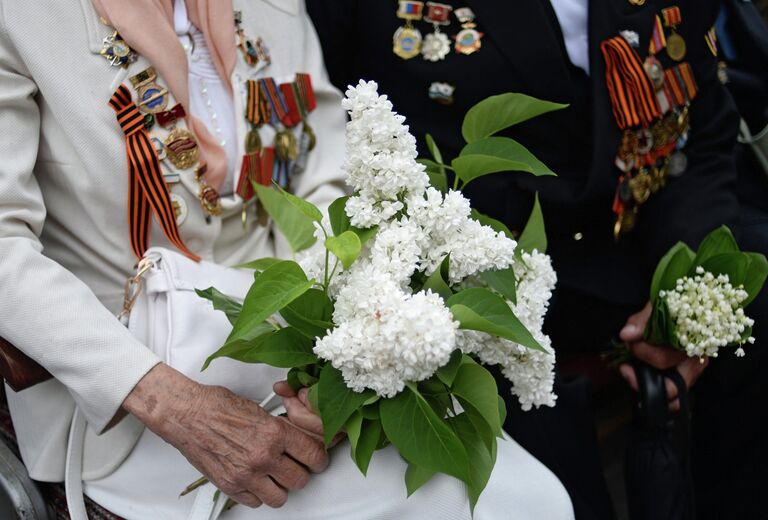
{"points": [[475, 388], [346, 247], [503, 282], [435, 447], [447, 373], [492, 223], [510, 150], [437, 282], [310, 313], [221, 302], [480, 309], [674, 265], [277, 286], [336, 401], [259, 265], [307, 208], [718, 242], [292, 219], [757, 271], [534, 235], [416, 476], [340, 221], [237, 349], [483, 458], [498, 113], [286, 348], [364, 435]]}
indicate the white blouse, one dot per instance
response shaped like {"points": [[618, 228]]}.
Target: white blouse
{"points": [[572, 15], [209, 98]]}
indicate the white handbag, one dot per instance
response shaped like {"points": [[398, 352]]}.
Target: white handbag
{"points": [[163, 311]]}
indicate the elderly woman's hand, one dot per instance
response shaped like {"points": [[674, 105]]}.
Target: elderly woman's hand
{"points": [[300, 412], [249, 455]]}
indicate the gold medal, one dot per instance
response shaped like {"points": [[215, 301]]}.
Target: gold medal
{"points": [[406, 42], [179, 208], [181, 148], [252, 141], [676, 48], [208, 196], [641, 187], [286, 146]]}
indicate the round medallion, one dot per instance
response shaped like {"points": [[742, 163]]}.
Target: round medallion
{"points": [[179, 207], [655, 71], [152, 98], [406, 43], [468, 41], [436, 46], [676, 47], [678, 163], [181, 148], [120, 48], [252, 141], [644, 141]]}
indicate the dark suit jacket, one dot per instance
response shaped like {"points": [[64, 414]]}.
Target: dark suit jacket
{"points": [[523, 51]]}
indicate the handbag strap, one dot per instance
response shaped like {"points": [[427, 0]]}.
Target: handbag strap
{"points": [[73, 472]]}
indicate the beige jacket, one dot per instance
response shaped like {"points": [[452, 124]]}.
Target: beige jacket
{"points": [[64, 245]]}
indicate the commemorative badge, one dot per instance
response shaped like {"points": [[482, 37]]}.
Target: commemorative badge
{"points": [[152, 97], [469, 39], [181, 148], [254, 51], [406, 42], [117, 52], [441, 92], [179, 208], [436, 44], [208, 196]]}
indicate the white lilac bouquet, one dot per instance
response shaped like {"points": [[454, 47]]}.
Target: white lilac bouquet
{"points": [[407, 291], [699, 298]]}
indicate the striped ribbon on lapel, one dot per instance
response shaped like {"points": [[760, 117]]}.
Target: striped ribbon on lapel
{"points": [[147, 189]]}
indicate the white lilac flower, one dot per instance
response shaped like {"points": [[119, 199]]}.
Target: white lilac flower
{"points": [[707, 313], [530, 371], [381, 156], [386, 337], [396, 250]]}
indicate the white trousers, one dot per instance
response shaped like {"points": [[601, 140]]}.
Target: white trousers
{"points": [[147, 487]]}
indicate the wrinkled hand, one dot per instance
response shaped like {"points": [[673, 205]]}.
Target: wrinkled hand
{"points": [[251, 456], [300, 412], [661, 358]]}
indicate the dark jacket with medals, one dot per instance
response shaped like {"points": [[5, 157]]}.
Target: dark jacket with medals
{"points": [[523, 51]]}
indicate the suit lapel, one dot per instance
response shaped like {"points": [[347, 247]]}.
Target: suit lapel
{"points": [[523, 32]]}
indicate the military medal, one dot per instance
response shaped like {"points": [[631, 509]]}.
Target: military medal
{"points": [[468, 40], [254, 51], [181, 148], [208, 196], [436, 44], [406, 42], [179, 208], [117, 52], [676, 47], [152, 97], [169, 117], [441, 92]]}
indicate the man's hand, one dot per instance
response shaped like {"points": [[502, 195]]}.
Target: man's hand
{"points": [[300, 412], [251, 456], [662, 358]]}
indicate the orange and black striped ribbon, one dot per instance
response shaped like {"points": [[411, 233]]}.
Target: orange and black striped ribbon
{"points": [[252, 111], [632, 93], [146, 189]]}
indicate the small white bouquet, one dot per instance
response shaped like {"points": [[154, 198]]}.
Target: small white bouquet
{"points": [[698, 298], [385, 321]]}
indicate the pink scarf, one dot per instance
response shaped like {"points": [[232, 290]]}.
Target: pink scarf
{"points": [[147, 26]]}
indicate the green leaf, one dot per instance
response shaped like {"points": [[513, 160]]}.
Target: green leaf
{"points": [[502, 281], [436, 173], [476, 389], [672, 266], [471, 167], [310, 314], [421, 436], [365, 234], [295, 225], [236, 349], [437, 281], [337, 402], [732, 264], [497, 113], [492, 223], [364, 440], [717, 242], [510, 150], [502, 410], [286, 348], [433, 149], [309, 209], [480, 309], [259, 265], [346, 247], [447, 373], [337, 214], [312, 396], [275, 288], [535, 234], [483, 459], [757, 271], [221, 302], [416, 476]]}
